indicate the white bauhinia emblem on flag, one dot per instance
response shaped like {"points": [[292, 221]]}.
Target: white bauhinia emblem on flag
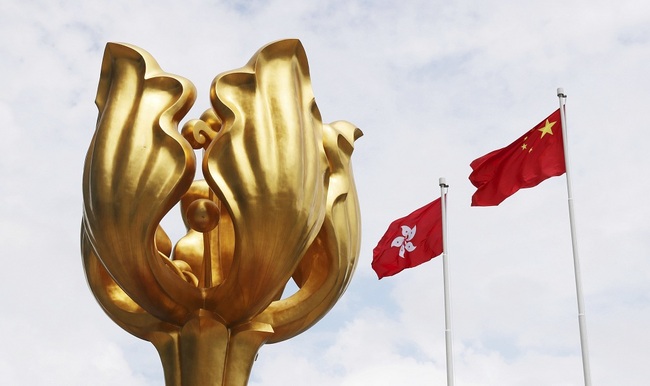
{"points": [[404, 241]]}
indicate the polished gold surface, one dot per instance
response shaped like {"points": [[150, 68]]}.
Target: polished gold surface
{"points": [[277, 202]]}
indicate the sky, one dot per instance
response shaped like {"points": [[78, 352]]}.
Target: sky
{"points": [[433, 85]]}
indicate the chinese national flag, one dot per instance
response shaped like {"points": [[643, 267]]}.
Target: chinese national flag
{"points": [[409, 241], [536, 156]]}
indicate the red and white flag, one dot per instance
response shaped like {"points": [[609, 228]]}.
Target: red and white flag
{"points": [[409, 241]]}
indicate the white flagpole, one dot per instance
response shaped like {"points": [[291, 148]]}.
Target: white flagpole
{"points": [[445, 273], [576, 263]]}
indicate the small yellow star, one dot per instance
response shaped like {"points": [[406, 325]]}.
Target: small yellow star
{"points": [[547, 128], [524, 146]]}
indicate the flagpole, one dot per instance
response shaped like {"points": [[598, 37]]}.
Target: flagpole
{"points": [[445, 274], [576, 263]]}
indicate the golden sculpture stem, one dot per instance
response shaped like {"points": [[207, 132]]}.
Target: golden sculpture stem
{"points": [[203, 352], [206, 353], [167, 346]]}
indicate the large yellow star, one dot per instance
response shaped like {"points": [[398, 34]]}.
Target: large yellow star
{"points": [[547, 128]]}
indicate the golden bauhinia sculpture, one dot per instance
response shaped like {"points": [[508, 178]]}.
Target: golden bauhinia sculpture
{"points": [[277, 202]]}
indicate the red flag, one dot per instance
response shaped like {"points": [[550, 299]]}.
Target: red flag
{"points": [[534, 157], [409, 241]]}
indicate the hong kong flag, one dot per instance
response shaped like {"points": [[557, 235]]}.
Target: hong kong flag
{"points": [[409, 241]]}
